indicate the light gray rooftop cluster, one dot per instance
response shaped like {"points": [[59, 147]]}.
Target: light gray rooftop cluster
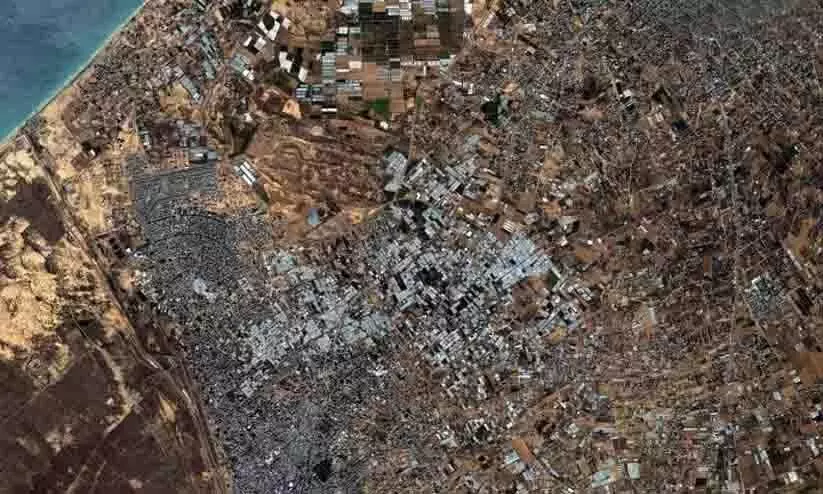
{"points": [[417, 280]]}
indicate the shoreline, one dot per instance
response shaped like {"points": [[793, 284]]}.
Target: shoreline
{"points": [[74, 76]]}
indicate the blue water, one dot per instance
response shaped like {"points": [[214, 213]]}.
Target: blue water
{"points": [[43, 43]]}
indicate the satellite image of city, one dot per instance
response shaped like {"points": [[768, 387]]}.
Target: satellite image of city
{"points": [[411, 246]]}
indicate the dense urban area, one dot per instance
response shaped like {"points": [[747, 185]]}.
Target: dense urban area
{"points": [[422, 246]]}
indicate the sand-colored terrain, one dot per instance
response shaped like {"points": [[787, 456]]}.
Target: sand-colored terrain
{"points": [[84, 408], [57, 137]]}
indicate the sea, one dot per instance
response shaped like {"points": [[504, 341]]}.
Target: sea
{"points": [[43, 45]]}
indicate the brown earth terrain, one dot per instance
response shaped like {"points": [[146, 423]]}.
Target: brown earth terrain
{"points": [[86, 407], [329, 166]]}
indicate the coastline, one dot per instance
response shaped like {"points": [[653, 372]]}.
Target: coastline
{"points": [[71, 79]]}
